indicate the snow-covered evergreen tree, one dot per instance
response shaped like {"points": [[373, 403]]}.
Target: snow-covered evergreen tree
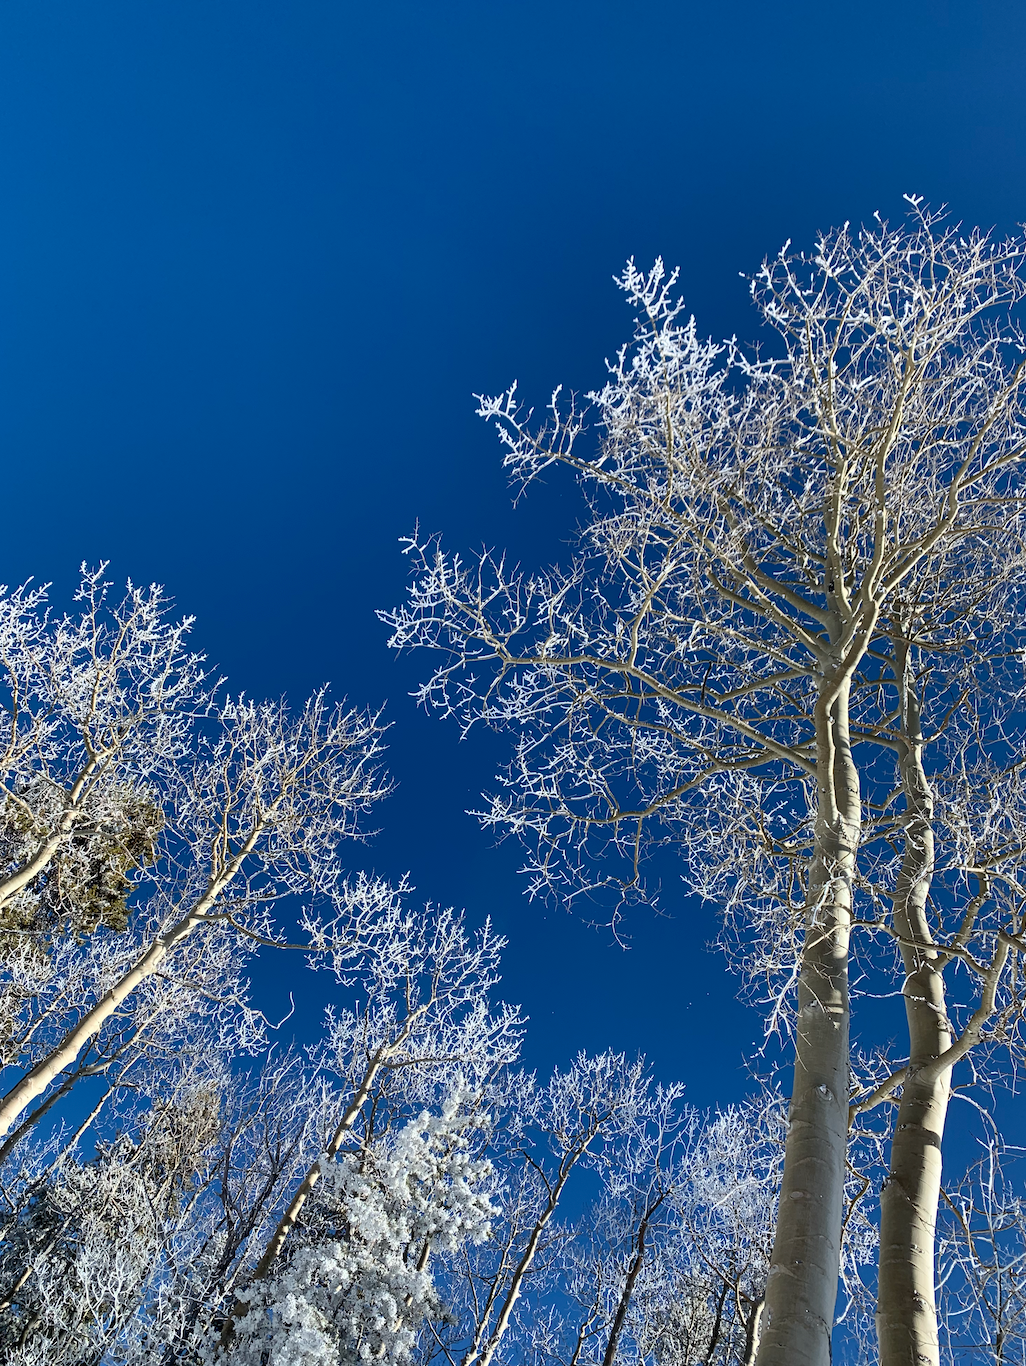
{"points": [[357, 1283]]}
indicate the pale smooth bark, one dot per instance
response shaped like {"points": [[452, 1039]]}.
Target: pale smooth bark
{"points": [[906, 1310], [38, 1078], [753, 1332], [802, 1286]]}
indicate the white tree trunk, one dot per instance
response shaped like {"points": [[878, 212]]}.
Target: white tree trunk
{"points": [[36, 1081], [906, 1310], [802, 1287], [38, 1078]]}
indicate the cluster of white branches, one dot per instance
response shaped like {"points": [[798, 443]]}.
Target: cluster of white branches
{"points": [[981, 1260], [126, 776], [214, 1198], [671, 1264], [433, 1180], [661, 686]]}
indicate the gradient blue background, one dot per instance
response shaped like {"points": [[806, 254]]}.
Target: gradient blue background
{"points": [[255, 258]]}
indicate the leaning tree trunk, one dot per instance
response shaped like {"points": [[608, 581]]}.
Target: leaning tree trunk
{"points": [[906, 1308], [39, 1078], [802, 1287]]}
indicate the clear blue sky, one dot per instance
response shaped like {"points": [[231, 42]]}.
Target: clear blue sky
{"points": [[255, 257]]}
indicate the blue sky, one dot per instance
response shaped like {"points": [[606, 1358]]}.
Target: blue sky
{"points": [[256, 257]]}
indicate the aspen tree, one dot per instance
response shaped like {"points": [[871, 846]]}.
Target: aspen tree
{"points": [[702, 672], [126, 777]]}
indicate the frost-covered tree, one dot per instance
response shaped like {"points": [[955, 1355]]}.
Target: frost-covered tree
{"points": [[424, 1020], [669, 1266], [356, 1282], [597, 1116], [412, 1034], [724, 666], [80, 1236], [941, 877], [127, 778], [982, 1262], [150, 825]]}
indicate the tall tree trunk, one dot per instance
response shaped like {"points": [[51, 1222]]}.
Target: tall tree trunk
{"points": [[802, 1288], [906, 1309]]}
